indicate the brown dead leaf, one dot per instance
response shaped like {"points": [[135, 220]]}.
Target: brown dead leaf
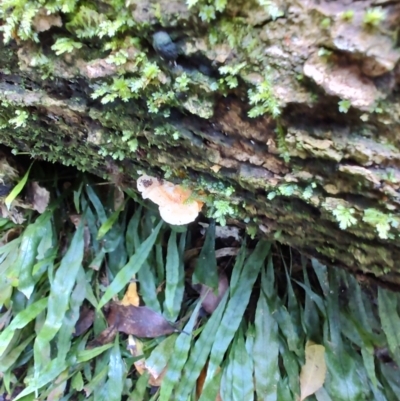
{"points": [[139, 321], [131, 296], [10, 235], [13, 214], [105, 337], [135, 347], [43, 20], [211, 300], [312, 376], [39, 197], [85, 321]]}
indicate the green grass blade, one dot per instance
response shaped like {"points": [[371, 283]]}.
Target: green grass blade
{"points": [[132, 231], [106, 226], [72, 315], [289, 329], [175, 280], [240, 385], [17, 189], [367, 353], [311, 319], [266, 346], [8, 360], [237, 269], [27, 253], [134, 264], [199, 353], [148, 287], [211, 390], [140, 389], [322, 273], [236, 306], [342, 379], [160, 355], [160, 268], [52, 370], [116, 373], [291, 365], [21, 320], [96, 203], [205, 271], [179, 357], [88, 354], [387, 307], [97, 381], [61, 288]]}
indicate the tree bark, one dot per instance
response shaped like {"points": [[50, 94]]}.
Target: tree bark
{"points": [[294, 105]]}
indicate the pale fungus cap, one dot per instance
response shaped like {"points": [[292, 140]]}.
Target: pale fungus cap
{"points": [[172, 200]]}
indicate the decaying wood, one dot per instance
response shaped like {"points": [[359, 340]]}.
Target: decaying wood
{"points": [[292, 174]]}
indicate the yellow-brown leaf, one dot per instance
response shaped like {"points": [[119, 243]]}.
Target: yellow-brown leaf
{"points": [[131, 296], [313, 373]]}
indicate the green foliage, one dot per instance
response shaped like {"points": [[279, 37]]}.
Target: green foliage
{"points": [[308, 192], [19, 15], [17, 189], [263, 101], [271, 8], [181, 83], [40, 353], [287, 189], [381, 221], [344, 106], [324, 52], [347, 15], [220, 210], [65, 45], [207, 9], [230, 72], [251, 230], [344, 216], [20, 119], [374, 16], [325, 23]]}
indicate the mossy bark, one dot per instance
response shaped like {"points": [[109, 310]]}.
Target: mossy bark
{"points": [[318, 170]]}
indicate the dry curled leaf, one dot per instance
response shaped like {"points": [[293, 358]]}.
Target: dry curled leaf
{"points": [[139, 321], [211, 300], [85, 321], [135, 347], [173, 201], [39, 197], [224, 231], [312, 376]]}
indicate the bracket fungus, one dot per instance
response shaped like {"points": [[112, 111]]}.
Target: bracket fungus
{"points": [[173, 201]]}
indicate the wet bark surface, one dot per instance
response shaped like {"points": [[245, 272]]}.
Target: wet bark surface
{"points": [[293, 105]]}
